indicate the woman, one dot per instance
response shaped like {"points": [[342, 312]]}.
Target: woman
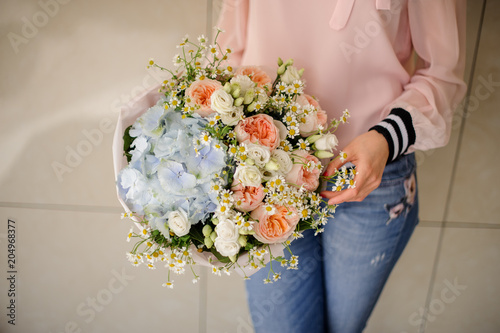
{"points": [[356, 55]]}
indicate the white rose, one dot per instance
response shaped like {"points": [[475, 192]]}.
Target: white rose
{"points": [[281, 129], [232, 118], [284, 161], [178, 222], [227, 248], [327, 142], [262, 97], [244, 83], [291, 74], [248, 175], [258, 153], [222, 102], [227, 230]]}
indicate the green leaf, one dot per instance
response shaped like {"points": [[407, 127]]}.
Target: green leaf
{"points": [[185, 238], [127, 142], [219, 256]]}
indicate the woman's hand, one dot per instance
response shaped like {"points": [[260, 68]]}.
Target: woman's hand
{"points": [[369, 153]]}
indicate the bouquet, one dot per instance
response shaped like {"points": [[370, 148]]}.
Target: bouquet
{"points": [[223, 169]]}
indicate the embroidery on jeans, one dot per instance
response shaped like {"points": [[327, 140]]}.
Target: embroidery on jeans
{"points": [[405, 204]]}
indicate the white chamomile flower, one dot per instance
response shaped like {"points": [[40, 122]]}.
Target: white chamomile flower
{"points": [[319, 231], [215, 270], [303, 144], [276, 276], [205, 138], [216, 28], [342, 156], [290, 118], [281, 87], [213, 50], [298, 87], [345, 116], [130, 234], [293, 131], [202, 39], [177, 60], [169, 284], [270, 209]]}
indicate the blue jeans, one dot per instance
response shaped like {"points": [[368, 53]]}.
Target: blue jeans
{"points": [[342, 271]]}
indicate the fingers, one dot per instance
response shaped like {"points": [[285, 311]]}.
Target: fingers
{"points": [[335, 164]]}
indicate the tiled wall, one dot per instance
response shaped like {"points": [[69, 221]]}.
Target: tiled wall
{"points": [[66, 66]]}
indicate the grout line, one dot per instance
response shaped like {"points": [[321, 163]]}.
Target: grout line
{"points": [[453, 173], [63, 207], [202, 314], [457, 224]]}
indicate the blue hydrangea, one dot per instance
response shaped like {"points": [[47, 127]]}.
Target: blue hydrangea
{"points": [[166, 172]]}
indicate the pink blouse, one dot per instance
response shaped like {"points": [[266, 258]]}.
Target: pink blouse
{"points": [[358, 55]]}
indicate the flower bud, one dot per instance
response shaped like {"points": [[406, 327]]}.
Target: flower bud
{"points": [[227, 87], [323, 154], [249, 95], [280, 61], [207, 230], [251, 107], [289, 62], [313, 138], [242, 240], [301, 72], [208, 242], [272, 165], [327, 142], [232, 258], [236, 93], [213, 236], [215, 220], [282, 69], [238, 101]]}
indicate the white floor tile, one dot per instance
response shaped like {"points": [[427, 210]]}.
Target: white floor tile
{"points": [[404, 294], [476, 192], [71, 268], [466, 294]]}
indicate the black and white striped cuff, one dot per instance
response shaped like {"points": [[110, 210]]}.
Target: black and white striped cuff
{"points": [[397, 128]]}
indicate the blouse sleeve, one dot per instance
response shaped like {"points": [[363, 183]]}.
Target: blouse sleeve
{"points": [[233, 20], [420, 118]]}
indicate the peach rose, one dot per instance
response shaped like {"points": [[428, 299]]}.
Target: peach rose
{"points": [[247, 198], [276, 228], [306, 99], [300, 175], [256, 74], [200, 92], [313, 119], [258, 129]]}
